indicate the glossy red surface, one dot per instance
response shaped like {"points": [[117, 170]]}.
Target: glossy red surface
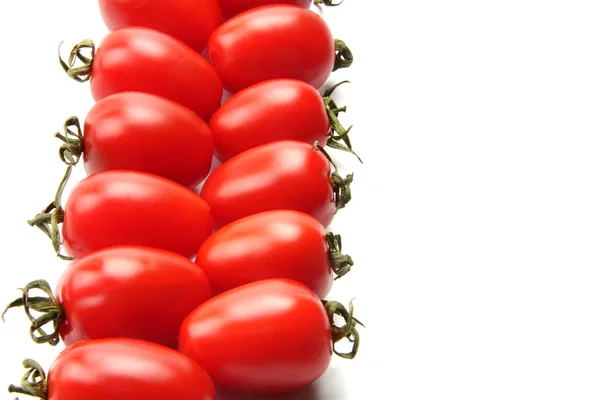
{"points": [[144, 60], [148, 133], [271, 336], [119, 207], [131, 292], [126, 369], [191, 21], [281, 109], [278, 41], [273, 244], [234, 7], [285, 175]]}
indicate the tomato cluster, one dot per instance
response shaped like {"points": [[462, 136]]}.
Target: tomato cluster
{"points": [[221, 286]]}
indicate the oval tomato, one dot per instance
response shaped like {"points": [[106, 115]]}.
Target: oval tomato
{"points": [[234, 7], [142, 132], [192, 22], [144, 60], [271, 336], [273, 244], [282, 109], [118, 369], [131, 292], [278, 41], [120, 207], [284, 175], [134, 292]]}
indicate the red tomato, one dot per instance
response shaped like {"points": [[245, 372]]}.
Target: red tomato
{"points": [[271, 336], [273, 244], [130, 291], [269, 111], [133, 292], [191, 21], [120, 207], [278, 41], [234, 7], [145, 60], [285, 175], [121, 369], [148, 133]]}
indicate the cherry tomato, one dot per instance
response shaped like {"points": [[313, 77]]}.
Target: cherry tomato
{"points": [[271, 336], [134, 208], [284, 175], [191, 21], [273, 244], [144, 60], [234, 7], [134, 292], [129, 291], [277, 41], [148, 133], [120, 369], [269, 111]]}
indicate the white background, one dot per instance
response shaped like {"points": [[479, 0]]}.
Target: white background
{"points": [[475, 224]]}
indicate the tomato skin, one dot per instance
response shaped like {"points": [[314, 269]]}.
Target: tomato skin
{"points": [[120, 207], [234, 7], [125, 369], [144, 60], [280, 109], [191, 21], [284, 175], [274, 244], [276, 41], [271, 336], [148, 133], [131, 292]]}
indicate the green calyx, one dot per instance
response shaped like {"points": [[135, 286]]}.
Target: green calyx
{"points": [[341, 186], [338, 135], [328, 3], [70, 153], [346, 331], [341, 264], [33, 383], [343, 55], [79, 73], [72, 148], [341, 189], [52, 216], [50, 309]]}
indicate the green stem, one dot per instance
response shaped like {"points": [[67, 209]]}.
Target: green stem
{"points": [[346, 331], [341, 264], [33, 383], [338, 135], [81, 73], [52, 216], [49, 307], [328, 3], [341, 186], [343, 55], [72, 148]]}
